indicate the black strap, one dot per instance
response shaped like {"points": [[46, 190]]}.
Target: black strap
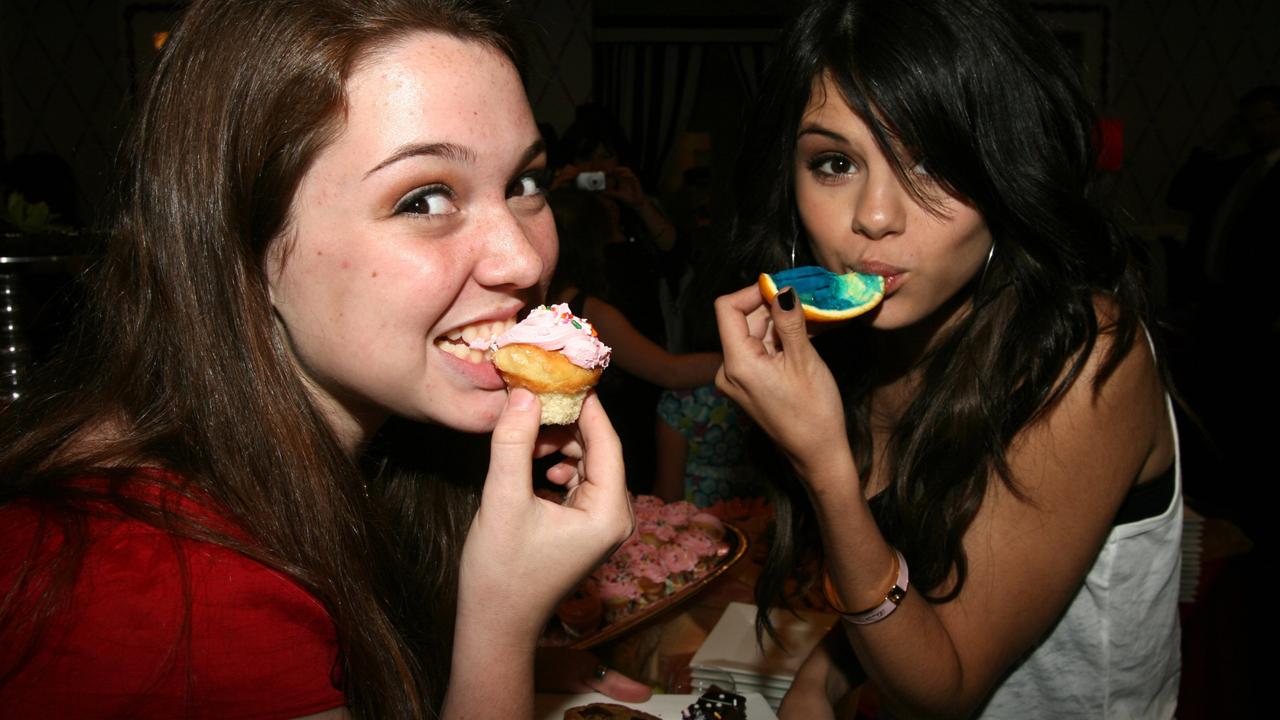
{"points": [[1148, 499]]}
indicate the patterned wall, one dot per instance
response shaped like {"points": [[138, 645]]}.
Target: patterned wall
{"points": [[1179, 67], [63, 67], [558, 40]]}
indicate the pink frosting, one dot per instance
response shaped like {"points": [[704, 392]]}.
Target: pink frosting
{"points": [[677, 559], [697, 542], [677, 513], [617, 587], [554, 328], [630, 549], [660, 529], [646, 501], [708, 520], [649, 567]]}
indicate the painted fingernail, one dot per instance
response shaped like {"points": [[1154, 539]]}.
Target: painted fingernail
{"points": [[787, 299]]}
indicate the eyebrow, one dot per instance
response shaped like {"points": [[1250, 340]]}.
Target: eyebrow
{"points": [[819, 130], [452, 152]]}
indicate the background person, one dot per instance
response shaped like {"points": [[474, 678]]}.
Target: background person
{"points": [[638, 363]]}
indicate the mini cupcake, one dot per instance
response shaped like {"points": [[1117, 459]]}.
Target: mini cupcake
{"points": [[581, 613], [680, 562], [677, 513], [656, 531], [700, 544], [632, 547], [646, 501], [651, 575], [707, 523], [619, 593]]}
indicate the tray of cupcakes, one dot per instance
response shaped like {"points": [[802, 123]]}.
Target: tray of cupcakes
{"points": [[675, 551]]}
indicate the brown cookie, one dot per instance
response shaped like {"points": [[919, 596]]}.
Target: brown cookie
{"points": [[606, 711]]}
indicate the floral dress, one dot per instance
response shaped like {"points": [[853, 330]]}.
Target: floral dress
{"points": [[714, 427]]}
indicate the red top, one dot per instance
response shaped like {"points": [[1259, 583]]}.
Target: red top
{"points": [[261, 646]]}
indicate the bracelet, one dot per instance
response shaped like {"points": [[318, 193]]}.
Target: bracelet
{"points": [[891, 599]]}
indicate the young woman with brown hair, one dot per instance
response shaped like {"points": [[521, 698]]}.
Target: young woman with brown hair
{"points": [[206, 512]]}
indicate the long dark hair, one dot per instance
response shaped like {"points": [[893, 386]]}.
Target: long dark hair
{"points": [[180, 363], [981, 91]]}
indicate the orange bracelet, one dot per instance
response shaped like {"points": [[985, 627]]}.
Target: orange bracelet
{"points": [[891, 599]]}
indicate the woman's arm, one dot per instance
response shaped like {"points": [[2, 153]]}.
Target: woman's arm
{"points": [[1027, 556], [627, 188], [829, 674], [523, 554], [673, 451], [644, 358]]}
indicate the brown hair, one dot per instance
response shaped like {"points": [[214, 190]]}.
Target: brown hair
{"points": [[179, 361]]}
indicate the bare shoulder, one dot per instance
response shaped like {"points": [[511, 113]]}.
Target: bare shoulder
{"points": [[1072, 467], [1125, 388]]}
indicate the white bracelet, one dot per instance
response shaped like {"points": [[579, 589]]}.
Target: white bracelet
{"points": [[891, 599]]}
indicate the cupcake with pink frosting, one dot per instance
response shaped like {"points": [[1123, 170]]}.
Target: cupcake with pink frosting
{"points": [[619, 593], [707, 523], [655, 530], [580, 614], [552, 353], [700, 544], [680, 563], [677, 513], [640, 502], [650, 574]]}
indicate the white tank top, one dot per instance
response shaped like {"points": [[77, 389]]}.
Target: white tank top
{"points": [[1115, 652]]}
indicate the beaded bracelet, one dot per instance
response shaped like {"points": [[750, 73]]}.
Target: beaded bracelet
{"points": [[891, 599]]}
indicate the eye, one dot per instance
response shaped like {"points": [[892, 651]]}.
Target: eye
{"points": [[831, 166], [429, 200], [531, 183], [526, 186]]}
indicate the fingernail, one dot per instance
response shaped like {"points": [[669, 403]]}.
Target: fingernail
{"points": [[520, 399], [787, 299]]}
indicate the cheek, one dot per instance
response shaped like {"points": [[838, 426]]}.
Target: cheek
{"points": [[542, 236]]}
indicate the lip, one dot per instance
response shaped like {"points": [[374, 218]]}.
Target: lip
{"points": [[891, 273], [483, 375]]}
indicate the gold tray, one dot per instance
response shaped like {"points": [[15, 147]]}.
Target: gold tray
{"points": [[737, 548]]}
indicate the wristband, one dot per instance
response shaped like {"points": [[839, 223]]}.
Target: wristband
{"points": [[891, 599]]}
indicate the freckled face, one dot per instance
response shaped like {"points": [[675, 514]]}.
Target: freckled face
{"points": [[423, 218], [858, 216]]}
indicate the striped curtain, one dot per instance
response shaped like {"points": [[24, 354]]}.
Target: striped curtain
{"points": [[651, 87]]}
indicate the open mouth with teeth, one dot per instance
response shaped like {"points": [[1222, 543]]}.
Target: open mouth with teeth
{"points": [[456, 340]]}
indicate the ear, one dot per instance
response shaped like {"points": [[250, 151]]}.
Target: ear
{"points": [[274, 258]]}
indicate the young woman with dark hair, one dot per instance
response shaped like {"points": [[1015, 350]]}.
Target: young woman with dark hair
{"points": [[1000, 424], [206, 512]]}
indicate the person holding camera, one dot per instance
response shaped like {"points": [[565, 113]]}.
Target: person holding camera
{"points": [[643, 251]]}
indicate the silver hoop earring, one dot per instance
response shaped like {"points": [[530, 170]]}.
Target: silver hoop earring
{"points": [[987, 266], [793, 252]]}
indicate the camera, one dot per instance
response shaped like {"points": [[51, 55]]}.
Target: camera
{"points": [[593, 181]]}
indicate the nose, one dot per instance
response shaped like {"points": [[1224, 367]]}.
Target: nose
{"points": [[511, 254], [881, 208]]}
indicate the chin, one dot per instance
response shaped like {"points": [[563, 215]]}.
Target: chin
{"points": [[475, 415]]}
